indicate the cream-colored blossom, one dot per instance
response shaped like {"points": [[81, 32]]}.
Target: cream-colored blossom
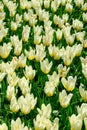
{"points": [[18, 125], [10, 92], [30, 54], [69, 84], [24, 85], [49, 88], [40, 52], [84, 66], [59, 34], [22, 61], [69, 8], [70, 39], [2, 75], [77, 24], [5, 50], [13, 26], [37, 39], [75, 122], [79, 2], [82, 110], [3, 126], [80, 36], [45, 66], [54, 52], [14, 106], [84, 7], [83, 93], [65, 17], [85, 123], [46, 3], [12, 79], [25, 33], [64, 99], [62, 70], [29, 72], [27, 103]]}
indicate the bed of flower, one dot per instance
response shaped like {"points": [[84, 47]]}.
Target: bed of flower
{"points": [[43, 64]]}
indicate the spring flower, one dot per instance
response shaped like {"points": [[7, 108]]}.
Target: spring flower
{"points": [[27, 103], [32, 20], [66, 31], [58, 21], [69, 8], [78, 25], [14, 26], [49, 88], [45, 66], [22, 61], [84, 43], [30, 54], [67, 55], [10, 92], [40, 52], [2, 75], [54, 52], [14, 106], [80, 36], [59, 34], [79, 2], [18, 125], [17, 44], [42, 120], [70, 39], [84, 7], [18, 19], [25, 33], [12, 79], [64, 99], [52, 77], [84, 15], [83, 93], [24, 85], [46, 3], [75, 122], [5, 50], [82, 110], [65, 17], [62, 70], [37, 30], [29, 72], [85, 123], [53, 6], [45, 110], [37, 39], [84, 66], [69, 84], [3, 126], [77, 49]]}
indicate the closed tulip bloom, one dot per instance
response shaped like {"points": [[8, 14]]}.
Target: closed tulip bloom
{"points": [[10, 92], [22, 61], [85, 122], [30, 54], [2, 75], [29, 72], [82, 110], [83, 93], [5, 50], [25, 33], [14, 26], [62, 70], [23, 83], [18, 125], [3, 126], [78, 25], [75, 122], [14, 106], [64, 99], [45, 66], [69, 84], [59, 34]]}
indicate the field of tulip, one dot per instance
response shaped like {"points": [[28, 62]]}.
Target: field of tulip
{"points": [[43, 65]]}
